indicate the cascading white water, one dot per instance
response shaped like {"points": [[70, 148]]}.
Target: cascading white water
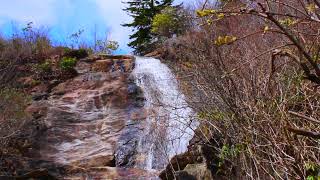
{"points": [[168, 127]]}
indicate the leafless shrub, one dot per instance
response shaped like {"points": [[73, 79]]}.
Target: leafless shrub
{"points": [[263, 104], [29, 45], [12, 115]]}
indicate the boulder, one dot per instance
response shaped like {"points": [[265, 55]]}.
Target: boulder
{"points": [[111, 173], [194, 172], [179, 162], [199, 162], [102, 65], [155, 54]]}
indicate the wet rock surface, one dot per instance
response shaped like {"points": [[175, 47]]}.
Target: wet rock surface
{"points": [[89, 125], [109, 122]]}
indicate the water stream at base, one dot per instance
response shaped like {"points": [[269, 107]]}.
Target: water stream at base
{"points": [[168, 125]]}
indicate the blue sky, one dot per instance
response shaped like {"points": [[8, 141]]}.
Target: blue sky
{"points": [[65, 17]]}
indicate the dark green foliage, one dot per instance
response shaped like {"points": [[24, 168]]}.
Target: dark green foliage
{"points": [[68, 63], [313, 171], [76, 53], [143, 12]]}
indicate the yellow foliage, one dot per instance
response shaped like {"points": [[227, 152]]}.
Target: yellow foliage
{"points": [[266, 29], [288, 22], [222, 40], [205, 12], [220, 16], [188, 65], [311, 7]]}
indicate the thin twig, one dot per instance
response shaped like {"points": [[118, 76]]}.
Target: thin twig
{"points": [[304, 117]]}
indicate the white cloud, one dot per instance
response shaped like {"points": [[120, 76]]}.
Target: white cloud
{"points": [[31, 10], [41, 12], [111, 11]]}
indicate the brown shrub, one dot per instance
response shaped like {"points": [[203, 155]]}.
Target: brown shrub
{"points": [[264, 109], [32, 46], [12, 115]]}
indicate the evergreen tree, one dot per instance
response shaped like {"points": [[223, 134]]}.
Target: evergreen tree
{"points": [[143, 12], [172, 20]]}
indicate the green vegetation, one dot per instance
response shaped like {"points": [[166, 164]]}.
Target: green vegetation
{"points": [[170, 21], [45, 67], [143, 12], [313, 171], [68, 63], [165, 22], [155, 22], [106, 46], [76, 53]]}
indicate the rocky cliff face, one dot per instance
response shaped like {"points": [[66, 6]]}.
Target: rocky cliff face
{"points": [[89, 124], [99, 125]]}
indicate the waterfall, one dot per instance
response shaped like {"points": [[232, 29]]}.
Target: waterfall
{"points": [[168, 127]]}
